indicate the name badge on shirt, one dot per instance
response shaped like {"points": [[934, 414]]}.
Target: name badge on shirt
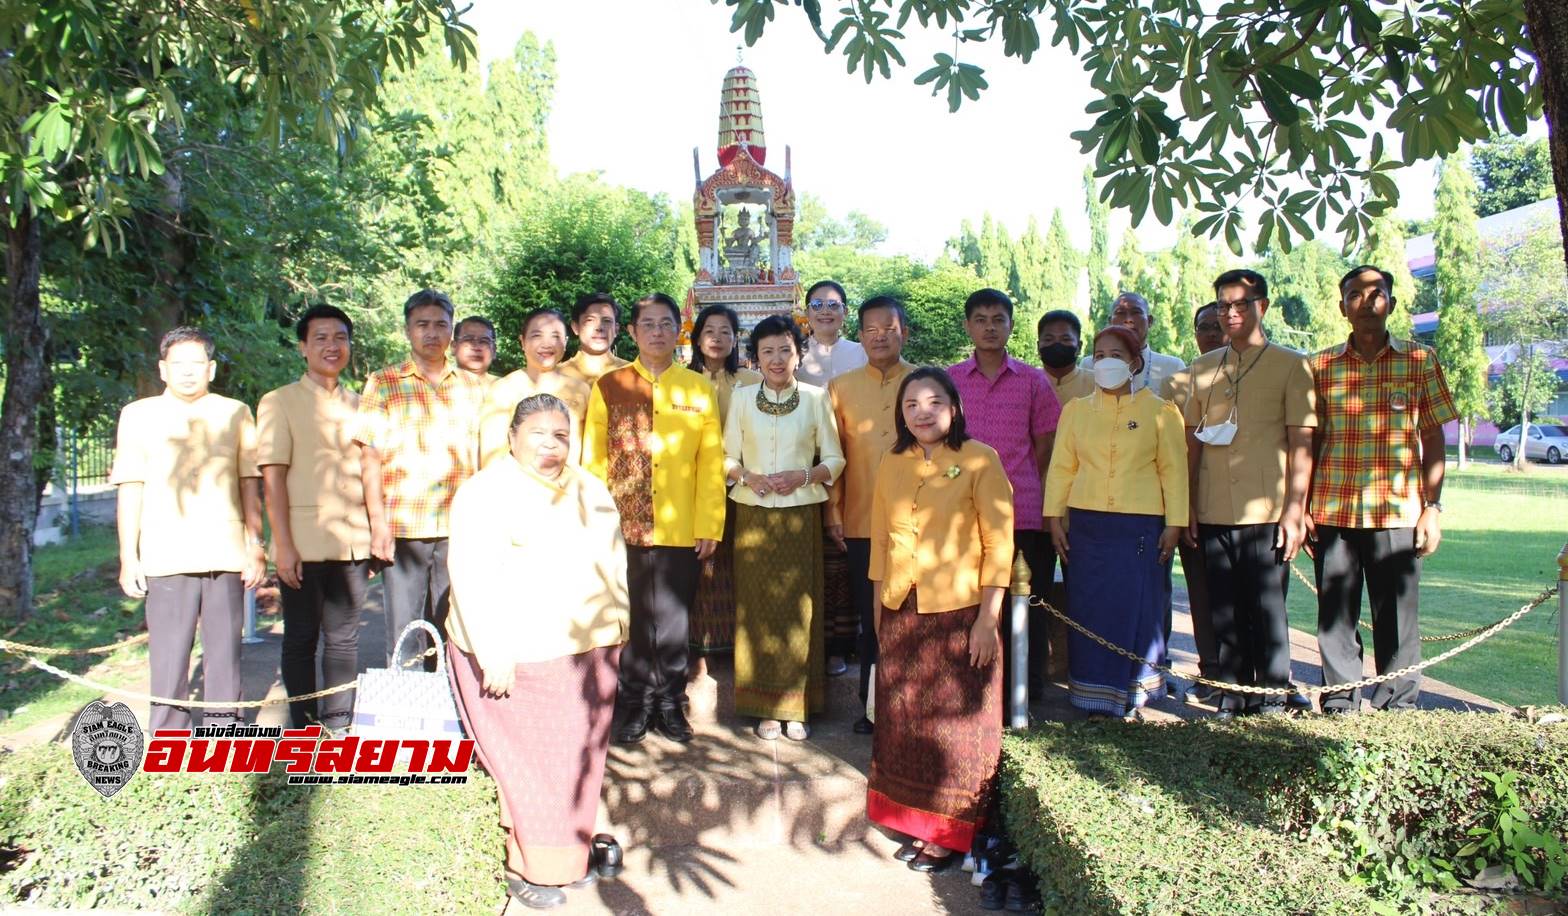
{"points": [[687, 408], [1397, 400]]}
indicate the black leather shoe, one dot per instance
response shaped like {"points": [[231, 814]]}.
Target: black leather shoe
{"points": [[671, 723], [863, 726], [605, 855], [1298, 701], [635, 728], [930, 865], [1022, 895], [907, 852], [1224, 715], [993, 891]]}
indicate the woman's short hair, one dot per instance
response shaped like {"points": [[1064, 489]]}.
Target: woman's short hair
{"points": [[956, 436], [1123, 336], [537, 403], [732, 361], [775, 326]]}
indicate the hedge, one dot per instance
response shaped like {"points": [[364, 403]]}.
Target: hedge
{"points": [[1274, 815]]}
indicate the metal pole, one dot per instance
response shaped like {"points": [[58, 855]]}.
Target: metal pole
{"points": [[1562, 626], [248, 636], [1018, 689], [76, 515]]}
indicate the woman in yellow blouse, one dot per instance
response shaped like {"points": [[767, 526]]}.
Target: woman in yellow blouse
{"points": [[716, 354], [941, 558], [781, 449], [1116, 503], [534, 669]]}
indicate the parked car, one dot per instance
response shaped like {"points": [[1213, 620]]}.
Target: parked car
{"points": [[1547, 443]]}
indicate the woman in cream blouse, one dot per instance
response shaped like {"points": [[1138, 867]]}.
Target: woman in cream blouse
{"points": [[772, 434]]}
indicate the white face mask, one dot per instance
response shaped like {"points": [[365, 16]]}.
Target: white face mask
{"points": [[1111, 373], [1219, 433]]}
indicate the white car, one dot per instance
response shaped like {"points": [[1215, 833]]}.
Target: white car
{"points": [[1547, 443]]}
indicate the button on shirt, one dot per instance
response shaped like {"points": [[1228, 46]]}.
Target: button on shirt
{"points": [[864, 404], [495, 417], [656, 443], [1008, 413], [425, 432], [1243, 483], [310, 430], [766, 444], [942, 526], [1123, 454], [822, 363], [1368, 469], [189, 457]]}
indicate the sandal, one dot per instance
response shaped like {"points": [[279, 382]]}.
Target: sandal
{"points": [[769, 730], [796, 731]]}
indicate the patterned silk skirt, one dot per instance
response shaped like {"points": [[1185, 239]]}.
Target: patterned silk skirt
{"points": [[544, 744], [938, 740], [713, 614], [840, 616], [779, 657], [1117, 590]]}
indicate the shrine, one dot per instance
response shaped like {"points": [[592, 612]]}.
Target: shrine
{"points": [[745, 217]]}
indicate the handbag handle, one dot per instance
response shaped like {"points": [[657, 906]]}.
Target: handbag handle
{"points": [[435, 640]]}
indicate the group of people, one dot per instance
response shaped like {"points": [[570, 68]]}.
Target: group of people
{"points": [[579, 526]]}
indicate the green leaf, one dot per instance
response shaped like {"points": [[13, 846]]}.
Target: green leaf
{"points": [[1295, 81], [1276, 101]]}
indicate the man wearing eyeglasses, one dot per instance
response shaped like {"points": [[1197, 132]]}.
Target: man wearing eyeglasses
{"points": [[1250, 415], [1375, 510], [473, 347], [652, 435], [828, 354], [1131, 311]]}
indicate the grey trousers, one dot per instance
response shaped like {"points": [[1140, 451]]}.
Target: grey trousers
{"points": [[175, 605], [1385, 560], [415, 587]]}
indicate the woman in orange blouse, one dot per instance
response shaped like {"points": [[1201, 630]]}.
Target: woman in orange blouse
{"points": [[941, 558]]}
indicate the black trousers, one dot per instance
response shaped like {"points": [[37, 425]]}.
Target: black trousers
{"points": [[324, 608], [1385, 560], [175, 605], [416, 587], [1040, 554], [663, 586], [1247, 578], [1198, 602], [859, 558]]}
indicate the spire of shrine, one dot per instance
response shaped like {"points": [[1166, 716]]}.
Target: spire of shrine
{"points": [[740, 117]]}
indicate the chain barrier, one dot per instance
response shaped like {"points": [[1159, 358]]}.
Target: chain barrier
{"points": [[22, 648], [1486, 633], [1450, 637]]}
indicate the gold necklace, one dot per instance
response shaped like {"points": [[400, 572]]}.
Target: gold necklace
{"points": [[777, 408]]}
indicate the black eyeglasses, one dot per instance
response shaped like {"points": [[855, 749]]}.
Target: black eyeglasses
{"points": [[1238, 306]]}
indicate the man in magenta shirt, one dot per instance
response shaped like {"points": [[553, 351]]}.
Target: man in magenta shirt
{"points": [[1011, 407]]}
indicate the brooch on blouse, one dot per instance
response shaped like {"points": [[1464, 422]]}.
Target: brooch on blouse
{"points": [[1132, 424], [952, 472]]}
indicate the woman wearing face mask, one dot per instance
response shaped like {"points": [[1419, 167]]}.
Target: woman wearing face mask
{"points": [[1116, 503], [781, 449], [941, 559]]}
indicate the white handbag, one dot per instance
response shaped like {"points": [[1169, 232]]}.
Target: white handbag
{"points": [[407, 703]]}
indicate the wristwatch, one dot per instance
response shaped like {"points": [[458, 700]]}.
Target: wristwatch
{"points": [[1433, 504]]}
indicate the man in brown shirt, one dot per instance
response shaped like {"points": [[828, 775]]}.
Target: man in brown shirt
{"points": [[1250, 415], [189, 509], [320, 528], [864, 403], [595, 321]]}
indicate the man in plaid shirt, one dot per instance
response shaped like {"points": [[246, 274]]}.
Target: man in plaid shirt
{"points": [[1374, 510], [417, 429]]}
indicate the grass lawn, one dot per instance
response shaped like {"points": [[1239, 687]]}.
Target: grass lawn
{"points": [[1501, 534]]}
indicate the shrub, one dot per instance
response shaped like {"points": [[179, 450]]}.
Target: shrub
{"points": [[1310, 815]]}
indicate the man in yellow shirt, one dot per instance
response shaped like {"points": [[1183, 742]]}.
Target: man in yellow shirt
{"points": [[865, 403], [1059, 334], [653, 436], [595, 321], [189, 507]]}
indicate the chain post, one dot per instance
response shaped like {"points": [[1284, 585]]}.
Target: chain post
{"points": [[1018, 644], [248, 635], [1562, 626]]}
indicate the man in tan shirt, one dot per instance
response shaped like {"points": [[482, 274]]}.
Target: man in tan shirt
{"points": [[189, 524], [1250, 412], [316, 503], [595, 321], [865, 402]]}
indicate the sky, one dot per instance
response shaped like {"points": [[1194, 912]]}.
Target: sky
{"points": [[638, 87]]}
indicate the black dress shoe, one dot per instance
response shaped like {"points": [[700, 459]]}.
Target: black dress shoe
{"points": [[863, 726], [1298, 701], [605, 855], [993, 890], [672, 724], [635, 728], [1023, 896], [907, 852], [926, 863], [1224, 715]]}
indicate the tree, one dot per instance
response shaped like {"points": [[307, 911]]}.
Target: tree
{"points": [[936, 316], [1521, 393], [1525, 301], [93, 92], [1304, 292], [1385, 248], [1254, 101], [1098, 260], [816, 228], [1195, 273], [1510, 172], [1457, 244]]}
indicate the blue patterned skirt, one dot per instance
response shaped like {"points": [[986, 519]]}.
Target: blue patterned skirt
{"points": [[1117, 589]]}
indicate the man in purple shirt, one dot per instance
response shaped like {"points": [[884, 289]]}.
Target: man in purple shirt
{"points": [[1012, 407]]}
